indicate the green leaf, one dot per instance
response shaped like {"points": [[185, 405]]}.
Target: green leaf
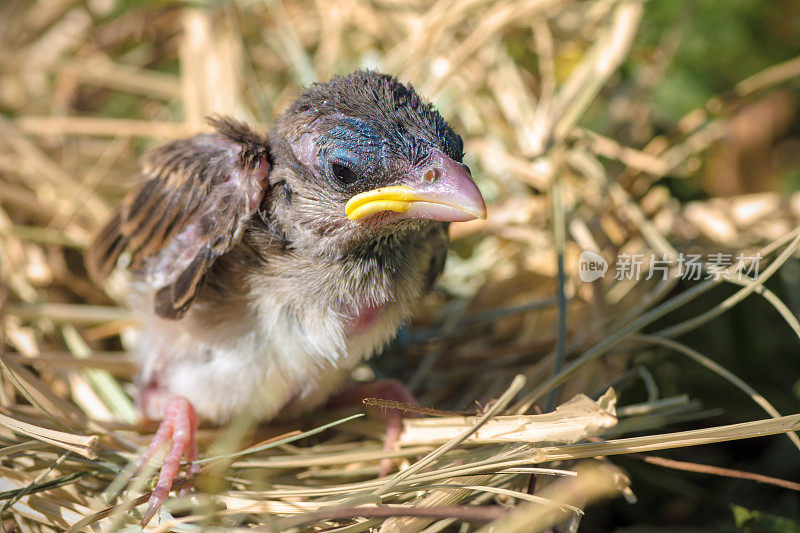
{"points": [[758, 522]]}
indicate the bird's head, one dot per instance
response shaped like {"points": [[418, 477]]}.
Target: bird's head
{"points": [[364, 154]]}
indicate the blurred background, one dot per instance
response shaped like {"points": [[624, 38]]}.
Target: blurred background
{"points": [[621, 127]]}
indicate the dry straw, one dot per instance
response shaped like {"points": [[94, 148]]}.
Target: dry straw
{"points": [[86, 87]]}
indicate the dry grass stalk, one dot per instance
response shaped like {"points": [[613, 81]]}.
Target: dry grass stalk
{"points": [[86, 94], [571, 422], [594, 481]]}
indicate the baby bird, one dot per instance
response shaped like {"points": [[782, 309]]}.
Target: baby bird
{"points": [[265, 269]]}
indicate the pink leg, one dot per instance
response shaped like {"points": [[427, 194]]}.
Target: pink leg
{"points": [[384, 389], [178, 426]]}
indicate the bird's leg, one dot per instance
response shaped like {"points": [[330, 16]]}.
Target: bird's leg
{"points": [[384, 389], [178, 426]]}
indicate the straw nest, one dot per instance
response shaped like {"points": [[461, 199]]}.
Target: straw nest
{"points": [[88, 87]]}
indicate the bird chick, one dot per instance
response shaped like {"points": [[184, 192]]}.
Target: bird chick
{"points": [[265, 269]]}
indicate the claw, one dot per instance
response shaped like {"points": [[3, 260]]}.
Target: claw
{"points": [[179, 426], [394, 426], [385, 389]]}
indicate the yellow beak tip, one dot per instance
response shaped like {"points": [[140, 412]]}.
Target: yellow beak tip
{"points": [[397, 198]]}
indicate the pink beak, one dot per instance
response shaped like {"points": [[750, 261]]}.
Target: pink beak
{"points": [[439, 190]]}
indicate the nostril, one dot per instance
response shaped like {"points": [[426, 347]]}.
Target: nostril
{"points": [[432, 174]]}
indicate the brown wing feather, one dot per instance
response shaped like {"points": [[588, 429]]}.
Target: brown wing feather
{"points": [[173, 300], [192, 206]]}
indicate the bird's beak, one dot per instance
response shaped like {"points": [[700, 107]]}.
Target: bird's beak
{"points": [[439, 190]]}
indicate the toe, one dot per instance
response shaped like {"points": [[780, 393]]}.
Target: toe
{"points": [[394, 427], [178, 426]]}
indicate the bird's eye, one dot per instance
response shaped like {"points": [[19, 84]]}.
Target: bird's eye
{"points": [[343, 173]]}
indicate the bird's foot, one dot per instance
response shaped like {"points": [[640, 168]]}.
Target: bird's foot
{"points": [[383, 389], [178, 427]]}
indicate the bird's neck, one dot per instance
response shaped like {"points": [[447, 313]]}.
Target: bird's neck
{"points": [[333, 241]]}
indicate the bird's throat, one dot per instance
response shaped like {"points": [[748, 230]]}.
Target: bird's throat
{"points": [[364, 318]]}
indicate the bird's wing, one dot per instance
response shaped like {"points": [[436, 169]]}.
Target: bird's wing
{"points": [[191, 206]]}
